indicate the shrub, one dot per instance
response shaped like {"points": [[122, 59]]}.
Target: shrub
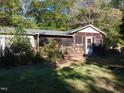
{"points": [[51, 50], [54, 55], [38, 58], [99, 50], [19, 52], [7, 59], [21, 47]]}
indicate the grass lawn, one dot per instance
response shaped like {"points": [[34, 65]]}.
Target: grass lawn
{"points": [[82, 78]]}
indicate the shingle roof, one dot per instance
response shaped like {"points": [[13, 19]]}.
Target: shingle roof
{"points": [[10, 30], [45, 32]]}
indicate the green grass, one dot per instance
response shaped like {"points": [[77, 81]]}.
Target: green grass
{"points": [[111, 60], [94, 79], [31, 79], [81, 78]]}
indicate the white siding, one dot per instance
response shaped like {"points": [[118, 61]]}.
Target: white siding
{"points": [[89, 30], [4, 41], [32, 41]]}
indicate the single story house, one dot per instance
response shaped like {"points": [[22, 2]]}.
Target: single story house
{"points": [[77, 42]]}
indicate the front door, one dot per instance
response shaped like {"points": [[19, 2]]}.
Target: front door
{"points": [[89, 49]]}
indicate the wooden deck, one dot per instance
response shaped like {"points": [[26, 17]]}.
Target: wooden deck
{"points": [[73, 53]]}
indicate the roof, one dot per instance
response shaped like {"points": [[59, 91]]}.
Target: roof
{"points": [[10, 30], [6, 30], [45, 32], [81, 28]]}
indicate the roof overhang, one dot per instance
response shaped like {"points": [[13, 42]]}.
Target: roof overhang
{"points": [[81, 28], [51, 33], [47, 35]]}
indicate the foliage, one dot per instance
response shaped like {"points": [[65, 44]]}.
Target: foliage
{"points": [[10, 12], [20, 46], [119, 4], [51, 50], [7, 59], [37, 58], [19, 52], [102, 16], [39, 14], [49, 14], [100, 50], [17, 20]]}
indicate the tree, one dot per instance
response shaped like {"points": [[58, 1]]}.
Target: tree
{"points": [[101, 15], [7, 8], [51, 14], [119, 4], [36, 13]]}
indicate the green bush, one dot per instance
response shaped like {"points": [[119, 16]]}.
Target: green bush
{"points": [[21, 47], [51, 50], [38, 58], [54, 55], [8, 59], [19, 52], [22, 52]]}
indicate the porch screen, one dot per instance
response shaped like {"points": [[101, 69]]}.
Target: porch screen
{"points": [[78, 39], [43, 41], [67, 41]]}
